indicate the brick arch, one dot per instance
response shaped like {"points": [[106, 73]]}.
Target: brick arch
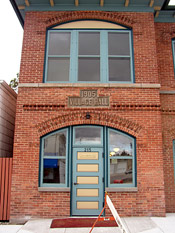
{"points": [[113, 17], [96, 118]]}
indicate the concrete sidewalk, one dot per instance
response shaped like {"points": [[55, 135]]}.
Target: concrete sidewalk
{"points": [[134, 224]]}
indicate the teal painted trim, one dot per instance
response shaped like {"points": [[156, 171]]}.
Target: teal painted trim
{"points": [[53, 157], [174, 158], [73, 57], [173, 51], [112, 7], [135, 162], [88, 144], [164, 19], [104, 56], [131, 47], [46, 56], [133, 184], [132, 56]]}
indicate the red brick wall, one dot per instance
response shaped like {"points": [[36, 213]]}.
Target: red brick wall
{"points": [[133, 110], [165, 32]]}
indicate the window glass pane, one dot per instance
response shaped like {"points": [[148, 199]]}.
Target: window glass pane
{"points": [[88, 135], [59, 43], [54, 171], [89, 69], [118, 43], [58, 69], [120, 171], [55, 145], [89, 43], [119, 69], [119, 145]]}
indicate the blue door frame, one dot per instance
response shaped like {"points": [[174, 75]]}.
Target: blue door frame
{"points": [[87, 181]]}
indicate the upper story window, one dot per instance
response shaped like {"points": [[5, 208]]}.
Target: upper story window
{"points": [[89, 55]]}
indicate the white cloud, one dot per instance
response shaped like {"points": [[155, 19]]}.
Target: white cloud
{"points": [[10, 42], [172, 2]]}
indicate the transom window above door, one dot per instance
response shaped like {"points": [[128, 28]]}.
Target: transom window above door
{"points": [[89, 55]]}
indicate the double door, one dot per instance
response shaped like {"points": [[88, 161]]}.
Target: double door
{"points": [[87, 181]]}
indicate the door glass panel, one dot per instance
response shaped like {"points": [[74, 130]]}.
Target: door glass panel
{"points": [[88, 135], [87, 205], [89, 43], [55, 145], [87, 179], [54, 171], [118, 43], [120, 145], [59, 43], [58, 69], [120, 171], [87, 167], [119, 69], [87, 192], [88, 69], [87, 155]]}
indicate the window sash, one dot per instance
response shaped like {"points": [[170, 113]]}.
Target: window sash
{"points": [[53, 157], [133, 158], [104, 57]]}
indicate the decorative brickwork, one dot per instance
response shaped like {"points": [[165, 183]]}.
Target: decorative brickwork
{"points": [[96, 117], [62, 17]]}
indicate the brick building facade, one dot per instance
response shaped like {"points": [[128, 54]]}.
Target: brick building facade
{"points": [[130, 125]]}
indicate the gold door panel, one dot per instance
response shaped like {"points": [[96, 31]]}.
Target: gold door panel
{"points": [[87, 167], [87, 155], [87, 193], [87, 179], [87, 205]]}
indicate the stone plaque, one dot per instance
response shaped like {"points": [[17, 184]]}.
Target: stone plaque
{"points": [[88, 98]]}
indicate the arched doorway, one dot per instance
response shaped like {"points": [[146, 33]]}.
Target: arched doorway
{"points": [[87, 159]]}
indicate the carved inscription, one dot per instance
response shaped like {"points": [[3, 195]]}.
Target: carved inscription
{"points": [[88, 98]]}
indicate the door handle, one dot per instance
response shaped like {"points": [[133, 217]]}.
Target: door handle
{"points": [[75, 183]]}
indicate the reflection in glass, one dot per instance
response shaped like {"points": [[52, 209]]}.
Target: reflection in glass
{"points": [[58, 69], [89, 69], [120, 171], [59, 43], [118, 43], [55, 145], [87, 135], [120, 145], [54, 171], [119, 69], [89, 43]]}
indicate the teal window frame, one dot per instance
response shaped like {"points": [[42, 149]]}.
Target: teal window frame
{"points": [[174, 158], [173, 50], [42, 157], [134, 171], [70, 143], [87, 143], [104, 70]]}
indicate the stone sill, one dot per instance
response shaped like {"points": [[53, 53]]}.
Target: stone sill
{"points": [[97, 85], [134, 189], [53, 189]]}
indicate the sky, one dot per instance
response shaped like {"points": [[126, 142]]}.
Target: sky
{"points": [[172, 2], [10, 42]]}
